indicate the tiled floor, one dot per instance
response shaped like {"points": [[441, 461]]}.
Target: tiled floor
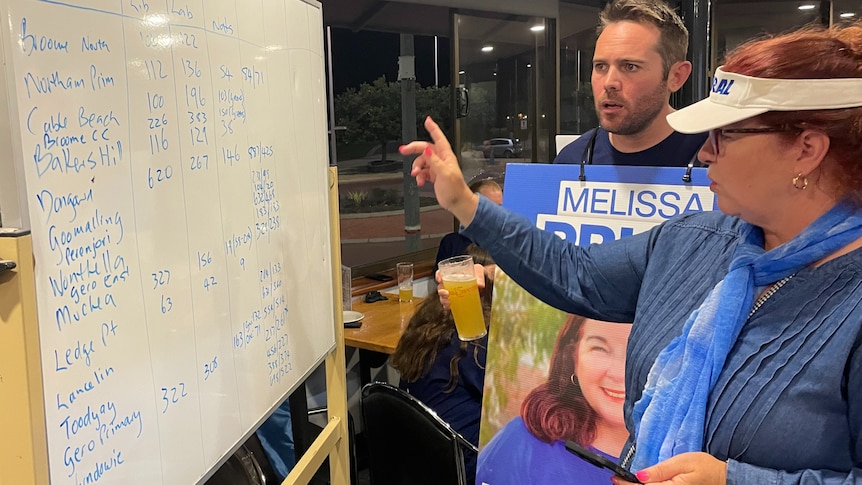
{"points": [[363, 477]]}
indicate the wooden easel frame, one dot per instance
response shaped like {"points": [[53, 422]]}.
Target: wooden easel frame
{"points": [[24, 448], [333, 440]]}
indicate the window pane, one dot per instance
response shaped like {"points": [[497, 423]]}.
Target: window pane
{"points": [[577, 42], [736, 22], [846, 11], [502, 65], [368, 120]]}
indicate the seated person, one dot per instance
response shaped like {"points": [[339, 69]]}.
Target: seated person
{"points": [[454, 244], [276, 439], [442, 371]]}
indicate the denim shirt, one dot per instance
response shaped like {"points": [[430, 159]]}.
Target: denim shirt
{"points": [[787, 407]]}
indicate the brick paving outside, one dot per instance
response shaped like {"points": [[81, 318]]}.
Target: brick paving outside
{"points": [[378, 228], [367, 238]]}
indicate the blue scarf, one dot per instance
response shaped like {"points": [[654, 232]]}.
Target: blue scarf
{"points": [[669, 417]]}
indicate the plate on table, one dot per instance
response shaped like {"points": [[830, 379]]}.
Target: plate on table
{"points": [[351, 316]]}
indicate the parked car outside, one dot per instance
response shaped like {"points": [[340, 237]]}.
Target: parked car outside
{"points": [[502, 147]]}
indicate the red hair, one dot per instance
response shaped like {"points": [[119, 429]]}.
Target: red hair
{"points": [[814, 53], [557, 410]]}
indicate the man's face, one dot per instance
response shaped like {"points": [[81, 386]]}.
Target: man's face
{"points": [[629, 85]]}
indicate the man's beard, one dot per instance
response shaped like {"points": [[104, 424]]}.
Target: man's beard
{"points": [[643, 112]]}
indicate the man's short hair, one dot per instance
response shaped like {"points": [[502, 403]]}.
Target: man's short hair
{"points": [[673, 40], [484, 183]]}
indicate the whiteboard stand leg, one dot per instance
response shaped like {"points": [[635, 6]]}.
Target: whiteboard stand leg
{"points": [[24, 446], [336, 367]]}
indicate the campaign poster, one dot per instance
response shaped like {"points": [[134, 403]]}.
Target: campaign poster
{"points": [[552, 376]]}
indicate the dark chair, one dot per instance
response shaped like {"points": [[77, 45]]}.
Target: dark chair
{"points": [[408, 444], [242, 468], [264, 468]]}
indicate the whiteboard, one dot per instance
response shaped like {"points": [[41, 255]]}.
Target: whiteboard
{"points": [[175, 161]]}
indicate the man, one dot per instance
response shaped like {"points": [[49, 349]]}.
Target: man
{"points": [[638, 63]]}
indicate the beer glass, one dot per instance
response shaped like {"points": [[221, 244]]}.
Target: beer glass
{"points": [[405, 281], [459, 279]]}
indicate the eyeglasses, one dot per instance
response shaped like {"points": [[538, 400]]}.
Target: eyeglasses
{"points": [[715, 134]]}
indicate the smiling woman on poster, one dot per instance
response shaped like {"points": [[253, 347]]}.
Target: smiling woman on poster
{"points": [[744, 361], [582, 401]]}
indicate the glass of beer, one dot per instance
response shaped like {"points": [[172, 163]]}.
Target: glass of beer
{"points": [[405, 281], [459, 279]]}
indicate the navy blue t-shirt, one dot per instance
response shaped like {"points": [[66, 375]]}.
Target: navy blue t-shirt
{"points": [[674, 151], [452, 244]]}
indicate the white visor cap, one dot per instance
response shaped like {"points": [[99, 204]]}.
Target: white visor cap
{"points": [[735, 97]]}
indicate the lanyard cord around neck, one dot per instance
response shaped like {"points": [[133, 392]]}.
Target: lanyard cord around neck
{"points": [[587, 159]]}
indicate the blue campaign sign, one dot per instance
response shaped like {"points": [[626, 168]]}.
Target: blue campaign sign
{"points": [[525, 407], [613, 202]]}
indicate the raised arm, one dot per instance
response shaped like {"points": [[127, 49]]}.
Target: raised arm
{"points": [[437, 164]]}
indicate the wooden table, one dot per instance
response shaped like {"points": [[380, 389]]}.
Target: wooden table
{"points": [[383, 324], [381, 329]]}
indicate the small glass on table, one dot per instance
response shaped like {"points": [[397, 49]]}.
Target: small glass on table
{"points": [[405, 281]]}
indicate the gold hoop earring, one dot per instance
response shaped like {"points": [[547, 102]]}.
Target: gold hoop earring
{"points": [[800, 182]]}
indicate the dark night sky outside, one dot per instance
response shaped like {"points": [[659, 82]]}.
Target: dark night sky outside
{"points": [[362, 57]]}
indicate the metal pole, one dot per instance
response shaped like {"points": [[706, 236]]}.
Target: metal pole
{"points": [[407, 77], [334, 160], [825, 13], [697, 17], [436, 65]]}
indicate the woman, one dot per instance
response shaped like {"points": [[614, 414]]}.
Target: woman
{"points": [[582, 401], [745, 357], [441, 370]]}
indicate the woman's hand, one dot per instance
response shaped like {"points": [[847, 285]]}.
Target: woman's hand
{"points": [[437, 164], [480, 281], [695, 468]]}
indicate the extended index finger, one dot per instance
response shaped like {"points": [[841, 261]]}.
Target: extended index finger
{"points": [[440, 141], [413, 148]]}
